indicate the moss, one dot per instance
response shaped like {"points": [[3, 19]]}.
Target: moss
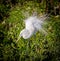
{"points": [[39, 47]]}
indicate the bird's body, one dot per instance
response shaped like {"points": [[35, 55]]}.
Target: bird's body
{"points": [[32, 25]]}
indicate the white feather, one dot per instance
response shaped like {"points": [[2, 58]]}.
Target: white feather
{"points": [[32, 25]]}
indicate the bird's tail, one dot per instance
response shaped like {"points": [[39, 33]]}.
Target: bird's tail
{"points": [[44, 17]]}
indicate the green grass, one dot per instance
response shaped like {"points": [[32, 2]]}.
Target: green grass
{"points": [[39, 46]]}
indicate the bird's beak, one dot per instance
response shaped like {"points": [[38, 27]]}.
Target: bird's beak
{"points": [[18, 38]]}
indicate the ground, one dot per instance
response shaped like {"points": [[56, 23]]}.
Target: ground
{"points": [[39, 46]]}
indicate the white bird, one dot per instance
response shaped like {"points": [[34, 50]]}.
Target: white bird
{"points": [[32, 25]]}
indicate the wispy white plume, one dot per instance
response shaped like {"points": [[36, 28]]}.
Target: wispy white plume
{"points": [[32, 25]]}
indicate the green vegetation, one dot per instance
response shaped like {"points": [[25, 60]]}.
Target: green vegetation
{"points": [[39, 47]]}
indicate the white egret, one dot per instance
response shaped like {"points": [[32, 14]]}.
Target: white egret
{"points": [[32, 25]]}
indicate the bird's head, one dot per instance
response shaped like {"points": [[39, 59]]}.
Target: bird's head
{"points": [[25, 33]]}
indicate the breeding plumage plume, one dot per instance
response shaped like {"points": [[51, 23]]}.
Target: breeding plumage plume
{"points": [[32, 25]]}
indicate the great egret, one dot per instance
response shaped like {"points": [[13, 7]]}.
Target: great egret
{"points": [[32, 25]]}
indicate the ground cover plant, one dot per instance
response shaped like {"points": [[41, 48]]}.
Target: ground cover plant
{"points": [[39, 47]]}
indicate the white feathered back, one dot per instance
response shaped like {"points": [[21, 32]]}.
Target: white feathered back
{"points": [[32, 25]]}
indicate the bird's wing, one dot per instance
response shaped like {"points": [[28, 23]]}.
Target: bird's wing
{"points": [[29, 22], [37, 23]]}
